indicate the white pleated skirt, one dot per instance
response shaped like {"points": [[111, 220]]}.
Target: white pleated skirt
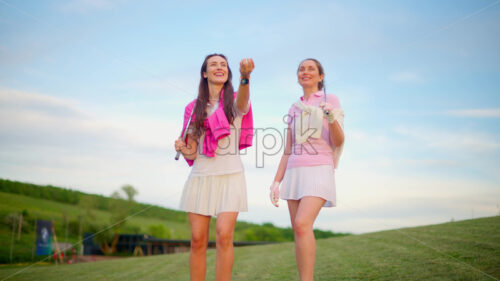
{"points": [[211, 195], [318, 181]]}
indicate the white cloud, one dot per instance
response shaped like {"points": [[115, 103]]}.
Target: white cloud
{"points": [[18, 101], [465, 142], [376, 192], [364, 138], [374, 198], [39, 116], [477, 113], [406, 77], [371, 200], [44, 138]]}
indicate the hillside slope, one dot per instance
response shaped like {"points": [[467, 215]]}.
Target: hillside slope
{"points": [[450, 251], [71, 210]]}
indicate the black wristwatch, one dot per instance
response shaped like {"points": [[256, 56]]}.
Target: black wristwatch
{"points": [[244, 81]]}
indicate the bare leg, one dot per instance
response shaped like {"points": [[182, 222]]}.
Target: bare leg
{"points": [[224, 242], [199, 242], [303, 213]]}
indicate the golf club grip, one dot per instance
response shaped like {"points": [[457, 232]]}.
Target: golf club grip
{"points": [[178, 155]]}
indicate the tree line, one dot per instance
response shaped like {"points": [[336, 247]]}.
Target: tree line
{"points": [[74, 197]]}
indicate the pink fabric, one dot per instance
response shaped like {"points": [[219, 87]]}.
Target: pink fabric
{"points": [[217, 126], [314, 152]]}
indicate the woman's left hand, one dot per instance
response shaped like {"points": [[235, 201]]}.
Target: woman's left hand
{"points": [[246, 67], [274, 195]]}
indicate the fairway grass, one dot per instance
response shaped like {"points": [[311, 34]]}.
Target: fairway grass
{"points": [[463, 250]]}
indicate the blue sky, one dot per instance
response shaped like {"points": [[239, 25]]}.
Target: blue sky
{"points": [[92, 95]]}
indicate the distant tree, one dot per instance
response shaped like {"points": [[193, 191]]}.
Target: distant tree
{"points": [[267, 232], [88, 203], [105, 237], [120, 210], [11, 219], [159, 231], [116, 195], [130, 191]]}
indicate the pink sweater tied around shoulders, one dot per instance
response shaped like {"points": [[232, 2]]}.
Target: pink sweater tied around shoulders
{"points": [[216, 127]]}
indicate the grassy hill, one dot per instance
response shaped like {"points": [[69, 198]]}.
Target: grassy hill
{"points": [[451, 251], [50, 210], [69, 209]]}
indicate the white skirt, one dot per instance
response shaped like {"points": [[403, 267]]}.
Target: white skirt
{"points": [[318, 181], [211, 195]]}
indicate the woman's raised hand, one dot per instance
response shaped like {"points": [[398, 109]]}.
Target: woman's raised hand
{"points": [[246, 67]]}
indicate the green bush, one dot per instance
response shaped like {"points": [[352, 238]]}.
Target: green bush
{"points": [[159, 231]]}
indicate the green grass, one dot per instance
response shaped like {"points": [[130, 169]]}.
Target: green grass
{"points": [[450, 251]]}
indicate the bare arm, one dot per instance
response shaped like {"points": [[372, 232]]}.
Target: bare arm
{"points": [[284, 159], [336, 133], [246, 67], [334, 116]]}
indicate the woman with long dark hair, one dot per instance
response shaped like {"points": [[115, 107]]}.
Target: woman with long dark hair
{"points": [[221, 125], [314, 142]]}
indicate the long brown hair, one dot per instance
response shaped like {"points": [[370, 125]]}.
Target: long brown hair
{"points": [[203, 95], [321, 83]]}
